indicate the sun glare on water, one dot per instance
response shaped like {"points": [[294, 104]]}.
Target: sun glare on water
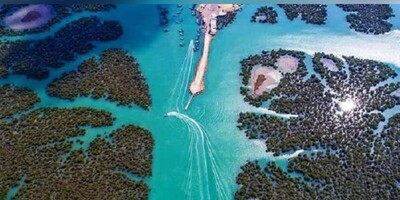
{"points": [[347, 105]]}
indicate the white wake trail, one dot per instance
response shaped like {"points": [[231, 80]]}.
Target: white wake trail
{"points": [[188, 73], [174, 91], [206, 152], [181, 80], [188, 185], [286, 156], [261, 110], [184, 72], [217, 176]]}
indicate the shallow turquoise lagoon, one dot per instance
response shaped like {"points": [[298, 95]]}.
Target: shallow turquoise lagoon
{"points": [[198, 152]]}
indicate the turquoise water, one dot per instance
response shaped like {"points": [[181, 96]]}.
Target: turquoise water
{"points": [[198, 154]]}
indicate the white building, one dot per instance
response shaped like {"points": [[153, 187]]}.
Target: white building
{"points": [[213, 24]]}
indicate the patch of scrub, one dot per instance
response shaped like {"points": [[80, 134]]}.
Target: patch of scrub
{"points": [[264, 79], [329, 64], [30, 17], [287, 64]]}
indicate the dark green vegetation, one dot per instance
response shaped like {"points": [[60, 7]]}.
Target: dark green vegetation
{"points": [[3, 71], [268, 58], [38, 156], [33, 58], [13, 99], [60, 10], [115, 76], [36, 148], [331, 77], [368, 18], [310, 13], [270, 183], [41, 148], [265, 14], [225, 20], [366, 162]]}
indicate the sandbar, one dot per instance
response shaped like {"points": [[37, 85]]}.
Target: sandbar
{"points": [[329, 64]]}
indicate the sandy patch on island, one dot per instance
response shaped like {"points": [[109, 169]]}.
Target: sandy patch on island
{"points": [[329, 64], [287, 64], [29, 17], [264, 79]]}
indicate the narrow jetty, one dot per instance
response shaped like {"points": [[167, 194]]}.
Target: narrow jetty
{"points": [[188, 103], [209, 14], [197, 85]]}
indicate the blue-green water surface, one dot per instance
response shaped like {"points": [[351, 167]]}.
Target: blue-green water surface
{"points": [[202, 166]]}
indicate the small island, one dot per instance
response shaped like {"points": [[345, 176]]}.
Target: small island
{"points": [[369, 18], [265, 14], [115, 76], [273, 65], [310, 13]]}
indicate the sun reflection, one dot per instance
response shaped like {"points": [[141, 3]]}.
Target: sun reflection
{"points": [[347, 105]]}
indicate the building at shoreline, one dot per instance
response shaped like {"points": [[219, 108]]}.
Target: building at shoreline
{"points": [[213, 24]]}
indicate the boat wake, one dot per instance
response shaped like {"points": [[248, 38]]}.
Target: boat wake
{"points": [[201, 160], [182, 83], [261, 110], [285, 156], [202, 174]]}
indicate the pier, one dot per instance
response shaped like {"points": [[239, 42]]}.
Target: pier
{"points": [[209, 14], [197, 85], [189, 101]]}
